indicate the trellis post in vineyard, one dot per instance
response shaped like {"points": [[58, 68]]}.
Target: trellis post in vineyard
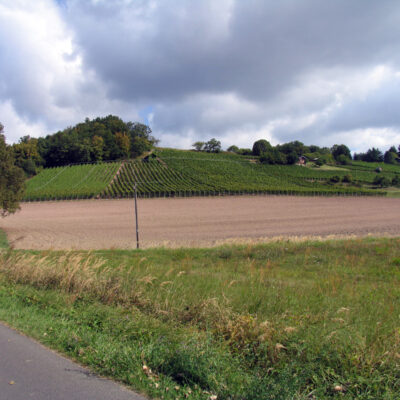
{"points": [[136, 218]]}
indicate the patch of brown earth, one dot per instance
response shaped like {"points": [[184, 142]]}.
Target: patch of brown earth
{"points": [[103, 224]]}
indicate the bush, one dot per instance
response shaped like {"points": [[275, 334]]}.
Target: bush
{"points": [[273, 156], [233, 149], [343, 160], [347, 178], [335, 179], [382, 181]]}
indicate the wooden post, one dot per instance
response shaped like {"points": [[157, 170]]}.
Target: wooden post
{"points": [[136, 218]]}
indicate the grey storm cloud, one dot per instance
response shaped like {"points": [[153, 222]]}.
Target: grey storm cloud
{"points": [[256, 48], [234, 69]]}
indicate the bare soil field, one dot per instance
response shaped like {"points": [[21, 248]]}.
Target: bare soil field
{"points": [[105, 224]]}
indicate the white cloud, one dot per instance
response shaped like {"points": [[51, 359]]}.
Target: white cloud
{"points": [[14, 123], [319, 72]]}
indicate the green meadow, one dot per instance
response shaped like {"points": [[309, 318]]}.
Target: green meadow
{"points": [[285, 320]]}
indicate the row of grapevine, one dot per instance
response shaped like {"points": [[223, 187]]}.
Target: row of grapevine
{"points": [[194, 174], [70, 182], [232, 173], [150, 177], [186, 173]]}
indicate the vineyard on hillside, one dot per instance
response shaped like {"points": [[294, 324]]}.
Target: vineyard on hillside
{"points": [[178, 173], [71, 182]]}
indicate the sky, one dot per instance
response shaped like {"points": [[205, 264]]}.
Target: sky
{"points": [[322, 72]]}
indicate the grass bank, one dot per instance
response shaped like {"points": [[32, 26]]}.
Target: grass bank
{"points": [[282, 320]]}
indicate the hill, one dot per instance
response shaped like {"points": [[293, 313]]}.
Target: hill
{"points": [[169, 172]]}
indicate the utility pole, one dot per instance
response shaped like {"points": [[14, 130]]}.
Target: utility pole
{"points": [[136, 215]]}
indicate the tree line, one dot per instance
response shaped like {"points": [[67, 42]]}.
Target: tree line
{"points": [[108, 138], [290, 153]]}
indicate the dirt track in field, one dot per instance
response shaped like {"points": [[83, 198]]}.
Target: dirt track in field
{"points": [[104, 224]]}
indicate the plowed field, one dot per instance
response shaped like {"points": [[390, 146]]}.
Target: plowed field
{"points": [[104, 224]]}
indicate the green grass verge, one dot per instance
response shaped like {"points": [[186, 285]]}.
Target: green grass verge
{"points": [[3, 240], [278, 321]]}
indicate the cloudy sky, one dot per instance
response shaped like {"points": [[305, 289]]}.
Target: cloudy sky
{"points": [[322, 72]]}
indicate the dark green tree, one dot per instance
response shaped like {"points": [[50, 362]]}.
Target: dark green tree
{"points": [[396, 180], [292, 158], [198, 146], [213, 146], [11, 179], [293, 147], [233, 149], [261, 146], [273, 156], [340, 149], [108, 138], [382, 181], [374, 155], [390, 156], [245, 152], [343, 160]]}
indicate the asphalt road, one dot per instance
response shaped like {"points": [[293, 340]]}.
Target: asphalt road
{"points": [[30, 371]]}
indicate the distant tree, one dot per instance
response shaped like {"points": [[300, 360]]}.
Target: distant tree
{"points": [[11, 179], [319, 162], [261, 146], [396, 180], [293, 147], [273, 156], [27, 156], [373, 155], [139, 145], [198, 146], [382, 181], [343, 160], [124, 143], [212, 146], [108, 138], [98, 148], [233, 149], [245, 152], [292, 158], [340, 149], [141, 138], [390, 156]]}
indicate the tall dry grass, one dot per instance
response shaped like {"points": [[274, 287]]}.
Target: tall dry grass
{"points": [[88, 275], [79, 274]]}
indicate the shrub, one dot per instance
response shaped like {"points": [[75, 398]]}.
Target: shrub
{"points": [[343, 160], [382, 181], [347, 178], [335, 179], [396, 181]]}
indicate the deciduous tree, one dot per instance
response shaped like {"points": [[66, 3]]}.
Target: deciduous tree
{"points": [[11, 179]]}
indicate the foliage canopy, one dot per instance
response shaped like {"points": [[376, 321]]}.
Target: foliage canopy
{"points": [[108, 138], [11, 179]]}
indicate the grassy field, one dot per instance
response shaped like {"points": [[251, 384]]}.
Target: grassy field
{"points": [[189, 173], [311, 320]]}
